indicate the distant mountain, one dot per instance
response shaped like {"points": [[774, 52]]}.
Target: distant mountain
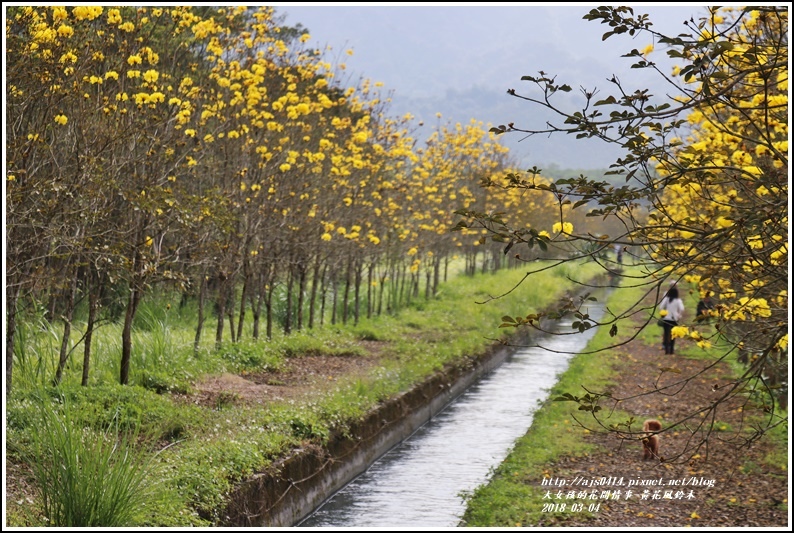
{"points": [[495, 107], [460, 60]]}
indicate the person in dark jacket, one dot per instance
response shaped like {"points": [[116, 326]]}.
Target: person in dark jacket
{"points": [[673, 307]]}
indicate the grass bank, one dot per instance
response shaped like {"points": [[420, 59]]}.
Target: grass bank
{"points": [[509, 499], [515, 496], [186, 457]]}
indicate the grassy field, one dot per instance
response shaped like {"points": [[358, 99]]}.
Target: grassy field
{"points": [[171, 462]]}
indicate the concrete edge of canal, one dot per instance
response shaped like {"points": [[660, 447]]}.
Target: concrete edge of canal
{"points": [[296, 485]]}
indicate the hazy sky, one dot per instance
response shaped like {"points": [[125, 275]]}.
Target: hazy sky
{"points": [[460, 59]]}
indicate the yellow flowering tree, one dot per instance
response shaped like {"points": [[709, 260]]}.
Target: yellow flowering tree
{"points": [[704, 186], [91, 131]]}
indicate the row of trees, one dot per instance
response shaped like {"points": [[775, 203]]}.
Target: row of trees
{"points": [[208, 150], [709, 162]]}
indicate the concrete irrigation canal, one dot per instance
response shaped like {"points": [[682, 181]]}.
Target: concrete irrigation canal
{"points": [[419, 481]]}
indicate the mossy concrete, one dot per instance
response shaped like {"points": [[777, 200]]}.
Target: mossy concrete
{"points": [[296, 485]]}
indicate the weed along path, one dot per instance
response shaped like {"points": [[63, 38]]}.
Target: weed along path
{"points": [[421, 482]]}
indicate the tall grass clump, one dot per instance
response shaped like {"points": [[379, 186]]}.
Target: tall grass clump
{"points": [[85, 477], [36, 346]]}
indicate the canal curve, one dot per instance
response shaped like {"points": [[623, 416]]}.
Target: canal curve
{"points": [[420, 482]]}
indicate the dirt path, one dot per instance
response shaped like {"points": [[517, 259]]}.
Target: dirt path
{"points": [[726, 484]]}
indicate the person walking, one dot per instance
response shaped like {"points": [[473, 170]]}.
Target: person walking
{"points": [[673, 307]]}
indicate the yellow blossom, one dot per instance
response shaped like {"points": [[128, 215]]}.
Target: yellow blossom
{"points": [[151, 76], [65, 31], [679, 332], [87, 12], [114, 17], [68, 57]]}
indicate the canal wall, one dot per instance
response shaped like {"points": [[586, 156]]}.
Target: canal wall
{"points": [[292, 488]]}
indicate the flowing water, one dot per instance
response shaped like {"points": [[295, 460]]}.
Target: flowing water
{"points": [[419, 482]]}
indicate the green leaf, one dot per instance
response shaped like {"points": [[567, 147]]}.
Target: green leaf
{"points": [[566, 397], [607, 101]]}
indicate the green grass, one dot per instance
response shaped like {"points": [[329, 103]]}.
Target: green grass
{"points": [[205, 451], [508, 500], [87, 477]]}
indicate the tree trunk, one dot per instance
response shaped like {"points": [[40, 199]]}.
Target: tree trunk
{"points": [[346, 295], [334, 299], [357, 294], [256, 312], [301, 290], [243, 295], [126, 333], [288, 318], [381, 289], [93, 305], [202, 298], [436, 275], [370, 299], [67, 331], [269, 311], [322, 294], [313, 295], [230, 308], [221, 304]]}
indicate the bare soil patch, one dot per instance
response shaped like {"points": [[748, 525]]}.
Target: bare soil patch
{"points": [[301, 378]]}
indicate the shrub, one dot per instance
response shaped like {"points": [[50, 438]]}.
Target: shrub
{"points": [[87, 478]]}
